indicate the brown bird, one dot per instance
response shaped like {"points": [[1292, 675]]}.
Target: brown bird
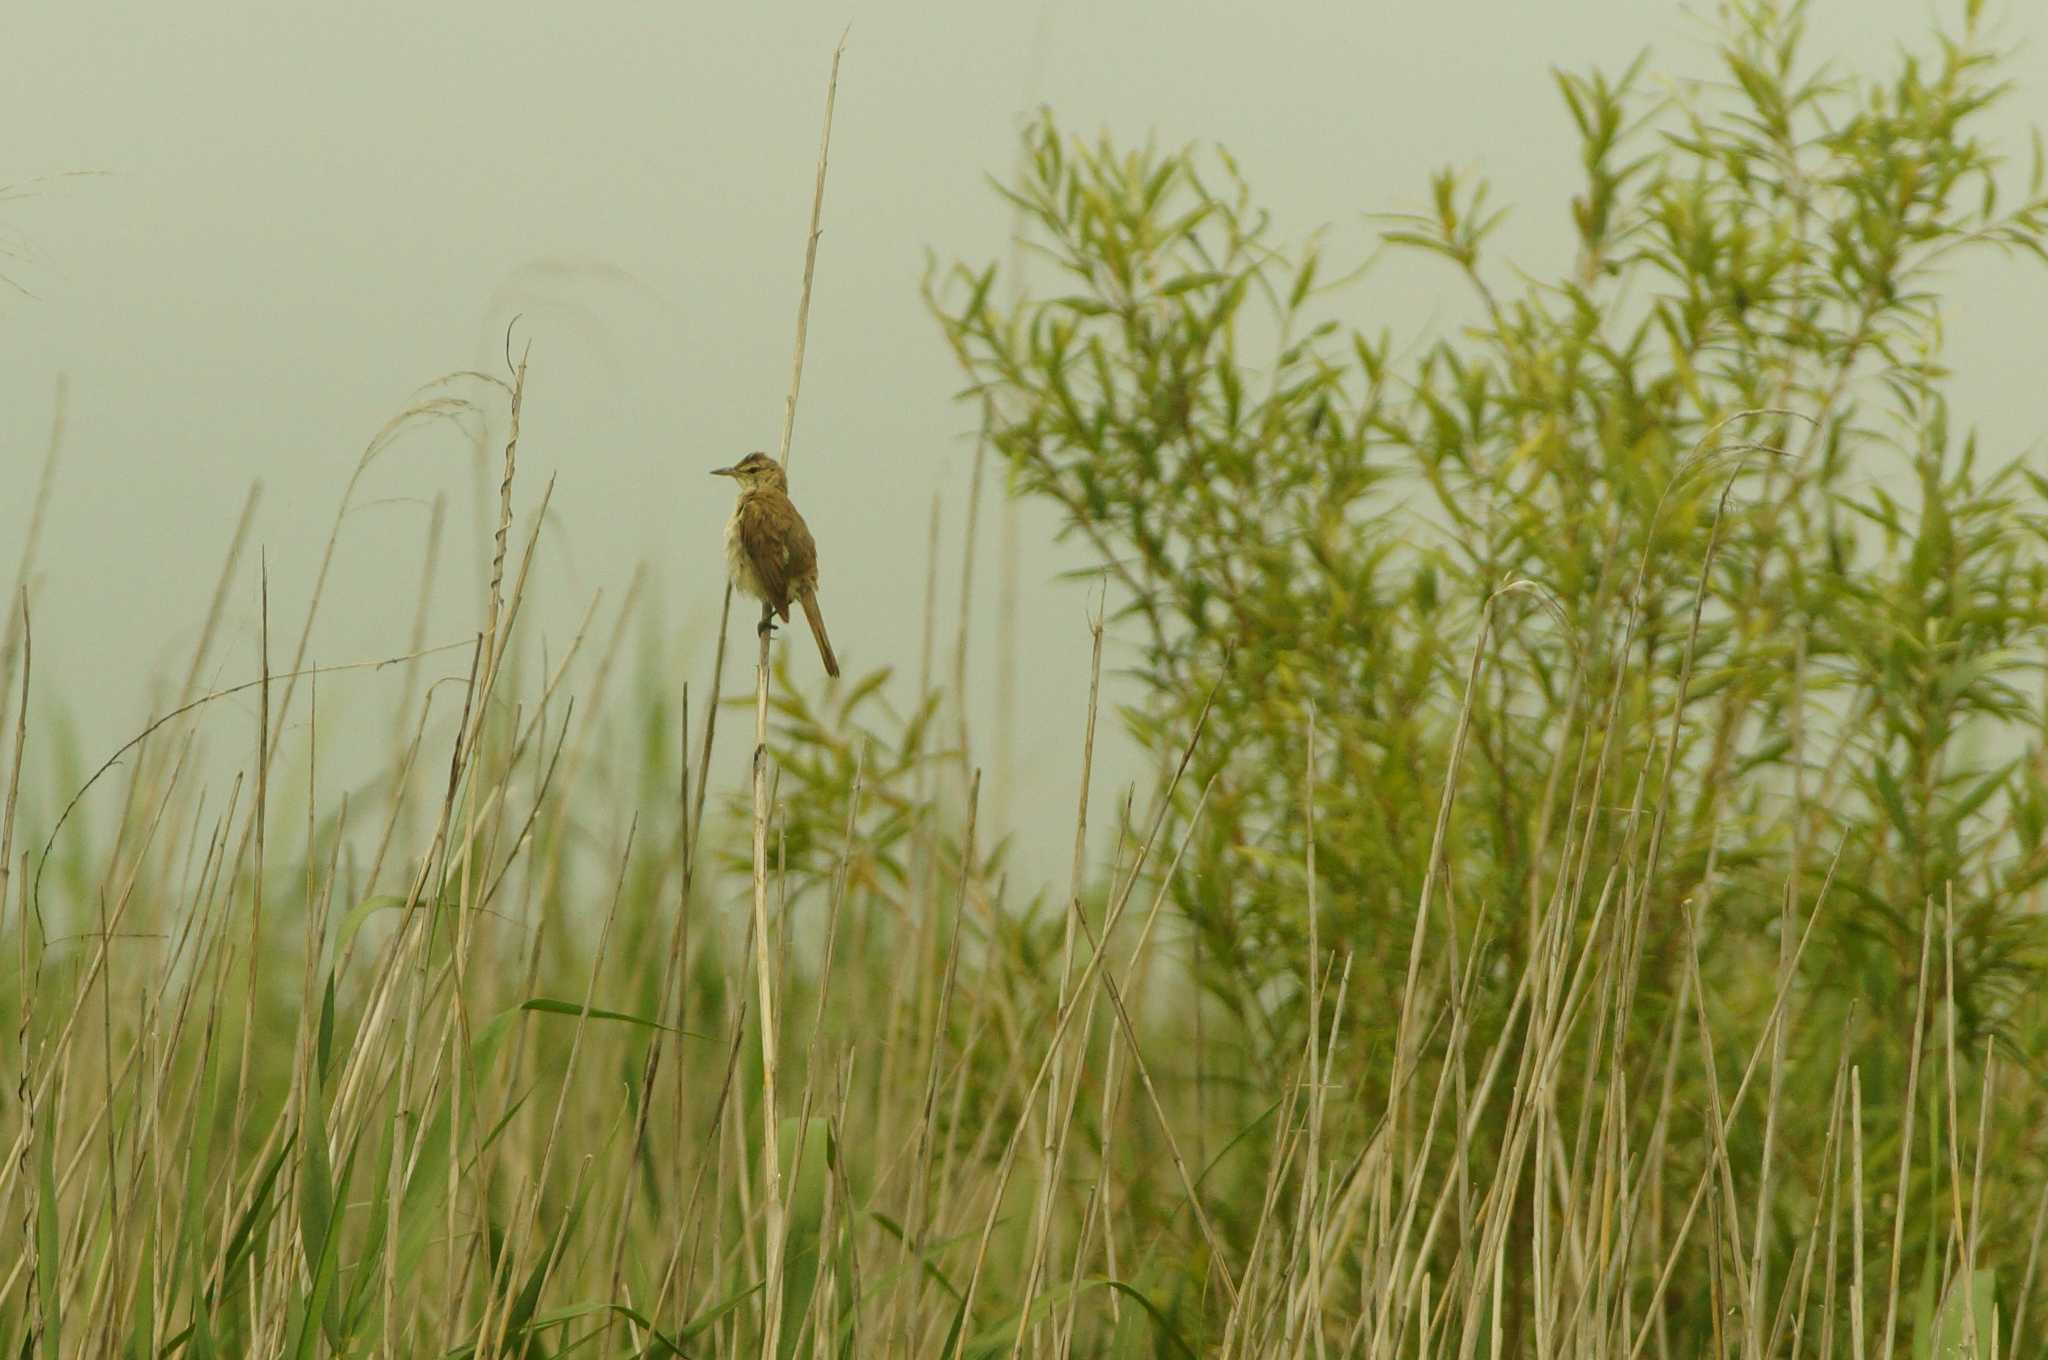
{"points": [[769, 551]]}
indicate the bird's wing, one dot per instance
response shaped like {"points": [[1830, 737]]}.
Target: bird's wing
{"points": [[803, 555], [765, 536]]}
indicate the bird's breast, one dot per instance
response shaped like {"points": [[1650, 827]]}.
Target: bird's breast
{"points": [[737, 563]]}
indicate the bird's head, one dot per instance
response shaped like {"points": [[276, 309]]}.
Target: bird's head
{"points": [[755, 472]]}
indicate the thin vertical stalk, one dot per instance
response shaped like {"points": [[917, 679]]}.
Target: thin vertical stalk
{"points": [[764, 951], [1859, 1335], [1899, 1198], [764, 976]]}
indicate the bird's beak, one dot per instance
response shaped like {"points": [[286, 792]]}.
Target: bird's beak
{"points": [[725, 472]]}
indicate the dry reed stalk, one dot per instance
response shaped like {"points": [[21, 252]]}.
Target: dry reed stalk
{"points": [[771, 1161], [1858, 1333], [515, 1258], [673, 1014], [252, 987], [217, 606], [969, 544], [29, 972], [1833, 1189], [1807, 1252], [1090, 974], [1720, 1125], [1899, 1202], [1959, 1229], [1312, 1173], [14, 640], [2019, 1312], [814, 1305], [1057, 1106], [916, 1222], [764, 943], [1986, 1098]]}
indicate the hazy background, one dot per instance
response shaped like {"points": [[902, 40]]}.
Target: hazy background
{"points": [[301, 213]]}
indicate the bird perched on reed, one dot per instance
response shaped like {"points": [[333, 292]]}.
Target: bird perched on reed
{"points": [[769, 550]]}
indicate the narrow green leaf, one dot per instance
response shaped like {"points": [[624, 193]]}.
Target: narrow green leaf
{"points": [[552, 1006], [48, 1242], [244, 1238]]}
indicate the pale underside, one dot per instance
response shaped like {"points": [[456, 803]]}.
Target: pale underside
{"points": [[739, 564], [769, 552]]}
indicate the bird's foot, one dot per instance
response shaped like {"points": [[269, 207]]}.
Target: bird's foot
{"points": [[767, 626]]}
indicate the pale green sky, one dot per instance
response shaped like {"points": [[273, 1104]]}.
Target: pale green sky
{"points": [[306, 210]]}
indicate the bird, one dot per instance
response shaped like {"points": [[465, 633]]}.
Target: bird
{"points": [[769, 551]]}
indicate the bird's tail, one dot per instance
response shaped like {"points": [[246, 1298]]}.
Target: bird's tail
{"points": [[809, 600]]}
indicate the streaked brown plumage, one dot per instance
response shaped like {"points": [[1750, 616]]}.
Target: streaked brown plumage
{"points": [[769, 550]]}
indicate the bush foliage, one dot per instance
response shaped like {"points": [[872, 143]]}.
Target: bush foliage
{"points": [[1673, 560]]}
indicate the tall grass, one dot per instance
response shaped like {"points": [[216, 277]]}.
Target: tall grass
{"points": [[465, 1062]]}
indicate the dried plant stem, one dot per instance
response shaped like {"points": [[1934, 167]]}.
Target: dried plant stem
{"points": [[1057, 1103], [29, 978], [764, 952], [803, 306], [1900, 1201], [256, 874], [12, 640], [764, 976], [796, 378], [1859, 1334]]}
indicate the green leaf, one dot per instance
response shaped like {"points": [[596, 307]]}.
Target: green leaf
{"points": [[316, 1200], [323, 1050], [353, 922], [48, 1255], [1161, 1324], [1082, 305], [707, 1319], [1303, 282], [1188, 283], [1894, 804], [144, 1327], [1979, 794], [996, 1339], [556, 1317], [243, 1240], [551, 1006], [1967, 1314]]}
